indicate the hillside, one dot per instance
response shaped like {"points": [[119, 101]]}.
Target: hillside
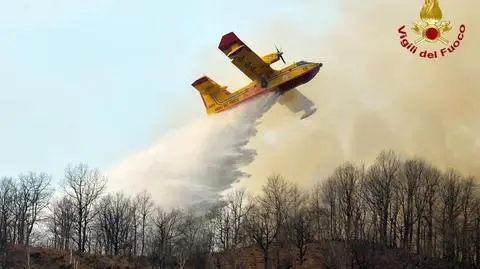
{"points": [[335, 255], [49, 258], [318, 256]]}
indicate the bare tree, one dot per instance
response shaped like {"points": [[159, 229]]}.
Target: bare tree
{"points": [[412, 171], [429, 192], [330, 198], [61, 222], [451, 209], [380, 185], [166, 229], [299, 223], [84, 186], [226, 221], [261, 226], [320, 215], [475, 235], [145, 206], [467, 208], [238, 210], [116, 221], [36, 193], [276, 196], [7, 196], [36, 188], [348, 176], [187, 243]]}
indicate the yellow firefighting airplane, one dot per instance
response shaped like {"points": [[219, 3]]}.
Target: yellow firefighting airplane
{"points": [[264, 78]]}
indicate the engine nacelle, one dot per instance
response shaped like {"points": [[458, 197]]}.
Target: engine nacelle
{"points": [[271, 58]]}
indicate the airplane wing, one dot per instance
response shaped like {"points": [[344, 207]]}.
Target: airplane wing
{"points": [[296, 102], [244, 58]]}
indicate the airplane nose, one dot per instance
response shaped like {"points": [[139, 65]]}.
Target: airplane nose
{"points": [[316, 68]]}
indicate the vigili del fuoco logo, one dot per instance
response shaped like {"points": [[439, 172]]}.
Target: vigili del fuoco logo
{"points": [[431, 29]]}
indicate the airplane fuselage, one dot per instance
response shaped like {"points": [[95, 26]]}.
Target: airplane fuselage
{"points": [[282, 81]]}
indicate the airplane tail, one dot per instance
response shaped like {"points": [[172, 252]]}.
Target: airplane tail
{"points": [[212, 94]]}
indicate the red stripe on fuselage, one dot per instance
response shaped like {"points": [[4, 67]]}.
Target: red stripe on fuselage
{"points": [[284, 87]]}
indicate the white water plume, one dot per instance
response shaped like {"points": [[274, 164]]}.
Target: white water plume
{"points": [[197, 162]]}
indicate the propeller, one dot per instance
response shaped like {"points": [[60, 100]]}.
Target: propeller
{"points": [[280, 54]]}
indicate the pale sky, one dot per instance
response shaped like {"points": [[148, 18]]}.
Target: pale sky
{"points": [[93, 81]]}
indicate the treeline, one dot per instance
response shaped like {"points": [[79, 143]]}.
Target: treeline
{"points": [[404, 205]]}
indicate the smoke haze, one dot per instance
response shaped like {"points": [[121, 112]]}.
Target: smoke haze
{"points": [[371, 94]]}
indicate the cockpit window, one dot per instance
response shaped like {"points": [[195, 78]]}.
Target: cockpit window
{"points": [[301, 63]]}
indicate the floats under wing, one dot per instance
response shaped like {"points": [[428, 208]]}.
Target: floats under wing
{"points": [[296, 102], [244, 58]]}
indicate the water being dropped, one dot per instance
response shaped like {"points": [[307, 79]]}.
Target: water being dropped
{"points": [[192, 165]]}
